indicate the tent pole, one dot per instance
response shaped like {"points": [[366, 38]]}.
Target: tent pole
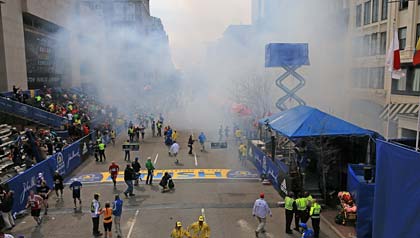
{"points": [[324, 180]]}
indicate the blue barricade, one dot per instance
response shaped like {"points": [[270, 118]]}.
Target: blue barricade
{"points": [[27, 111], [65, 162], [266, 166], [363, 194]]}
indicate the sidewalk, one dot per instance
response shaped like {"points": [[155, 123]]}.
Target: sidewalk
{"points": [[343, 231]]}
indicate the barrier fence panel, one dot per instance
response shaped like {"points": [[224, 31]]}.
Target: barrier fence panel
{"points": [[396, 204], [64, 162]]}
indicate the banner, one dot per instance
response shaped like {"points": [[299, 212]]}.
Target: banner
{"points": [[65, 162], [32, 113]]}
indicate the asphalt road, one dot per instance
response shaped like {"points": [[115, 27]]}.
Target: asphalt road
{"points": [[226, 203]]}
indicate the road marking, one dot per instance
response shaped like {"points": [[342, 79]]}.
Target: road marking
{"points": [[203, 214], [154, 162], [247, 228], [132, 224], [195, 158]]}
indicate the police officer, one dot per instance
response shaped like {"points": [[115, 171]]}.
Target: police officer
{"points": [[315, 217], [309, 200], [300, 211], [289, 206], [101, 148]]}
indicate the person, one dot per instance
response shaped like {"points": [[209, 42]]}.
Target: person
{"points": [[307, 232], [242, 151], [300, 211], [174, 135], [202, 139], [159, 128], [117, 211], [289, 207], [96, 151], [113, 170], [95, 210], [315, 217], [227, 132], [261, 210], [4, 235], [128, 179], [101, 147], [142, 131], [174, 150], [190, 144], [136, 167], [6, 210], [76, 187], [34, 202], [179, 232], [153, 128], [150, 168], [199, 229], [220, 132], [308, 200], [107, 211], [44, 192], [39, 180], [113, 136], [238, 134], [164, 181], [126, 148], [58, 184], [131, 133]]}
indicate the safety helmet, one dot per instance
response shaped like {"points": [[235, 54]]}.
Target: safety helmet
{"points": [[200, 218], [178, 224]]}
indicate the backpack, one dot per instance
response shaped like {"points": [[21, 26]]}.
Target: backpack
{"points": [[171, 184]]}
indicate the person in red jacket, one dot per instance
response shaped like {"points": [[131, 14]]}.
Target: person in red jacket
{"points": [[113, 170]]}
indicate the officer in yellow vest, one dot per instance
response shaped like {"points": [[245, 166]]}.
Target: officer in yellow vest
{"points": [[289, 207], [308, 198], [101, 147], [315, 217], [300, 211]]}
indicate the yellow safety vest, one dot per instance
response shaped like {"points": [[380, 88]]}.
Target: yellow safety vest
{"points": [[301, 204], [101, 146], [288, 203], [315, 210]]}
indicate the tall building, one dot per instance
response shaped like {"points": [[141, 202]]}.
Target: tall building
{"points": [[31, 55], [372, 23]]}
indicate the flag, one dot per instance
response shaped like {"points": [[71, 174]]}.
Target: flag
{"points": [[393, 61], [416, 57]]}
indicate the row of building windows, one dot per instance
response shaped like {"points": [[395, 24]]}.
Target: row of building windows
{"points": [[409, 83], [370, 45], [368, 78], [371, 12]]}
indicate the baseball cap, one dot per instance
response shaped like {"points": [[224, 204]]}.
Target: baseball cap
{"points": [[178, 224], [200, 218]]}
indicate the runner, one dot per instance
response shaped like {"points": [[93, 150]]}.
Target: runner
{"points": [[58, 184], [44, 192], [76, 187], [113, 136], [34, 202], [174, 150], [113, 170], [107, 211]]}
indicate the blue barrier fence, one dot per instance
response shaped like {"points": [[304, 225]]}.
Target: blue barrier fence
{"points": [[65, 162], [363, 194], [27, 111], [265, 165]]}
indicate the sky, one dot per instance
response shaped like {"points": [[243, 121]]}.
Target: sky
{"points": [[192, 24]]}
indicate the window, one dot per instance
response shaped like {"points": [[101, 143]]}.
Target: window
{"points": [[366, 45], [403, 4], [417, 33], [375, 8], [364, 78], [366, 19], [416, 81], [358, 15], [402, 37], [400, 84], [374, 44], [384, 15], [382, 43]]}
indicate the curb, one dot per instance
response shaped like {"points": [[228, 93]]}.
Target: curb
{"points": [[332, 227]]}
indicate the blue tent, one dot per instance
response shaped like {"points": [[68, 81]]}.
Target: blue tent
{"points": [[304, 121]]}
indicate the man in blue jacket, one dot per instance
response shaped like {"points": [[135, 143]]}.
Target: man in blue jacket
{"points": [[202, 139], [117, 211]]}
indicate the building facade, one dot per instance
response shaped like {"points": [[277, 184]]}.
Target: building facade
{"points": [[375, 96]]}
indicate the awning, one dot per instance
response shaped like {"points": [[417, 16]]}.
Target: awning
{"points": [[397, 109]]}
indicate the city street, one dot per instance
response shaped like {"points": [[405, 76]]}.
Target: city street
{"points": [[217, 187]]}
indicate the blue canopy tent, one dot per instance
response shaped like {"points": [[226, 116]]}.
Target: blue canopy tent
{"points": [[304, 121]]}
